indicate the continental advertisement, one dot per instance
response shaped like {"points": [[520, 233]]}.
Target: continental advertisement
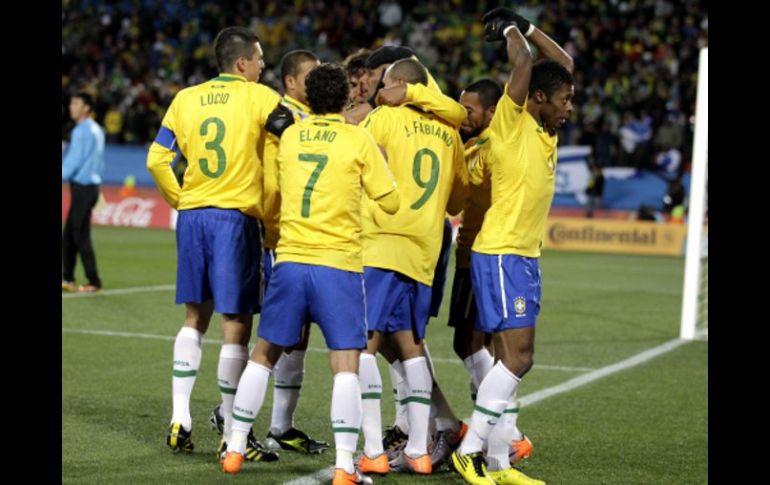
{"points": [[613, 236]]}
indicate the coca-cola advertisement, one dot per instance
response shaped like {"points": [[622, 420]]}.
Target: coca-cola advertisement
{"points": [[124, 206]]}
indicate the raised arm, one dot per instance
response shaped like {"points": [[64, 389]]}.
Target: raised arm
{"points": [[550, 49], [426, 98], [501, 23]]}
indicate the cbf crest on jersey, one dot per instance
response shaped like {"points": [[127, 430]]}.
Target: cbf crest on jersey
{"points": [[520, 305]]}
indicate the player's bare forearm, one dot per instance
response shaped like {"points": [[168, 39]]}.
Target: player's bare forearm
{"points": [[520, 58], [551, 50]]}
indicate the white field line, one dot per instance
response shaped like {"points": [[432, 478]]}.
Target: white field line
{"points": [[440, 360], [119, 291], [323, 476]]}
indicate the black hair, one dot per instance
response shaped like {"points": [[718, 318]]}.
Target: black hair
{"points": [[388, 54], [327, 88], [232, 43], [409, 70], [88, 100], [292, 60], [488, 90], [355, 64], [548, 76]]}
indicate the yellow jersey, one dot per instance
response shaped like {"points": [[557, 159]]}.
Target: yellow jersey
{"points": [[478, 200], [323, 163], [522, 164], [272, 201], [425, 155], [218, 126]]}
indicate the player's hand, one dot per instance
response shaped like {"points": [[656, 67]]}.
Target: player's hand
{"points": [[507, 15], [392, 96], [280, 119], [494, 29]]}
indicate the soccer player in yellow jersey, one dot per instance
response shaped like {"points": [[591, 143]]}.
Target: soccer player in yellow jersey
{"points": [[537, 100], [400, 254], [480, 98], [217, 125], [289, 371], [427, 98], [325, 166]]}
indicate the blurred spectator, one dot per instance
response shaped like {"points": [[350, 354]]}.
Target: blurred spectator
{"points": [[594, 190], [669, 161], [647, 213], [139, 54], [674, 195]]}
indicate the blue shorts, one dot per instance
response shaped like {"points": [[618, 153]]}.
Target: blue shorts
{"points": [[395, 302], [507, 289], [439, 276], [299, 293], [462, 305], [218, 258]]}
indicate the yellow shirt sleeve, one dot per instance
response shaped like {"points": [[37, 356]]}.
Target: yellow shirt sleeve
{"points": [[460, 183], [439, 104], [377, 178], [271, 197], [159, 160], [508, 115]]}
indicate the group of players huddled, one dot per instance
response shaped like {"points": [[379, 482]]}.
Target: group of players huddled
{"points": [[339, 192]]}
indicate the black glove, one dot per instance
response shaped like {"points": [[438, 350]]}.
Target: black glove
{"points": [[499, 19], [387, 55], [493, 30], [280, 119]]}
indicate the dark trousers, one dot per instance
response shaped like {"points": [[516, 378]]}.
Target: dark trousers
{"points": [[77, 234]]}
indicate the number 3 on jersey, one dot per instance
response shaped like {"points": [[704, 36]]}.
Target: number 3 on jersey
{"points": [[430, 184], [321, 161], [214, 145]]}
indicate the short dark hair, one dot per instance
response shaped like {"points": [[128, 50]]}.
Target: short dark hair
{"points": [[232, 43], [87, 99], [327, 88], [548, 76], [355, 63], [291, 61], [409, 70], [488, 90], [388, 54]]}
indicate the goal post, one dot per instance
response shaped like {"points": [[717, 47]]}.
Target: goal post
{"points": [[695, 295]]}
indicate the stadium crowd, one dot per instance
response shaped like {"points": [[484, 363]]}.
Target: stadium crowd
{"points": [[635, 60]]}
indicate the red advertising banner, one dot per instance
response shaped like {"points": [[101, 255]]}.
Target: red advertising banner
{"points": [[121, 206]]}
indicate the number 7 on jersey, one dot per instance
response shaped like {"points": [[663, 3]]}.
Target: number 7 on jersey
{"points": [[321, 161]]}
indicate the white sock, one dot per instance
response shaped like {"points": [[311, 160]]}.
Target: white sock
{"points": [[400, 392], [371, 395], [346, 417], [232, 361], [494, 394], [420, 385], [187, 359], [248, 400], [287, 382], [478, 364], [499, 443]]}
